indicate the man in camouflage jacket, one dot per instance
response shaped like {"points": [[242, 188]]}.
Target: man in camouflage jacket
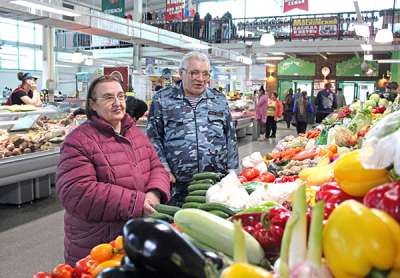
{"points": [[191, 127]]}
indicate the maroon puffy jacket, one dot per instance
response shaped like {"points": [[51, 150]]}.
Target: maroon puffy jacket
{"points": [[102, 178]]}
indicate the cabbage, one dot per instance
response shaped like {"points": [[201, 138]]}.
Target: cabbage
{"points": [[374, 97], [371, 103], [355, 106], [383, 102]]}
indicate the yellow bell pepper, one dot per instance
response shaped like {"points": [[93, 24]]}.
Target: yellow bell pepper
{"points": [[241, 270], [357, 239], [353, 178], [317, 175]]}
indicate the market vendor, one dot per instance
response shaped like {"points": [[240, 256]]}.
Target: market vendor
{"points": [[191, 126], [27, 92], [108, 172]]}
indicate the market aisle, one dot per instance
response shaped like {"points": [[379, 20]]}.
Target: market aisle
{"points": [[37, 245]]}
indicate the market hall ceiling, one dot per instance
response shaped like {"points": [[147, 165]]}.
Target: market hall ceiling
{"points": [[90, 21]]}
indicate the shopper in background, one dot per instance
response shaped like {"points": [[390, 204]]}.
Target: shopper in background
{"points": [[191, 127], [274, 112], [135, 107], [340, 99], [261, 113], [325, 102], [108, 172], [301, 108], [288, 106], [27, 92]]}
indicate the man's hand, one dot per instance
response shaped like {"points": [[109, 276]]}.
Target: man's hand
{"points": [[172, 179]]}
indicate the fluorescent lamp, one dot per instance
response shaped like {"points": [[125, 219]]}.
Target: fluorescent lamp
{"points": [[384, 36], [267, 39], [389, 61], [270, 65], [262, 58], [63, 66], [277, 53], [362, 30], [41, 6], [368, 57], [366, 47], [276, 58]]}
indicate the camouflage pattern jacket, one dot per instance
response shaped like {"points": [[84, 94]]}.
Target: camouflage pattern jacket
{"points": [[188, 140]]}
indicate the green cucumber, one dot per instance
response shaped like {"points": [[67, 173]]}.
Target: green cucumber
{"points": [[250, 189], [218, 206], [191, 205], [199, 186], [219, 213], [210, 181], [162, 216], [195, 199], [170, 210], [206, 175], [217, 233], [198, 193]]}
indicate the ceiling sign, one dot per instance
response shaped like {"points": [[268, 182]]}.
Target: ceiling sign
{"points": [[306, 28], [289, 5], [174, 10], [113, 7]]}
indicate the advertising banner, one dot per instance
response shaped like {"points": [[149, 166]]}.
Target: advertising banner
{"points": [[174, 10], [119, 72], [289, 5], [113, 7], [306, 28]]}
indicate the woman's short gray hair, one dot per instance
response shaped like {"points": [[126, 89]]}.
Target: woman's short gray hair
{"points": [[193, 55]]}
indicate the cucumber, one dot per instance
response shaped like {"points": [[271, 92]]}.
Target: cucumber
{"points": [[217, 206], [198, 193], [210, 181], [219, 213], [217, 233], [206, 175], [250, 189], [195, 199], [170, 210], [191, 205], [199, 186], [162, 216]]}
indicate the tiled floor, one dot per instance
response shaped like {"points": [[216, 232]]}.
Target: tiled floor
{"points": [[31, 237]]}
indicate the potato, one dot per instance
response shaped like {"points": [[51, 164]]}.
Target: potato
{"points": [[8, 153], [23, 145], [10, 147], [27, 150], [16, 151]]}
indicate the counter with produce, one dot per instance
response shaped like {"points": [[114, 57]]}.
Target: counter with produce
{"points": [[323, 204]]}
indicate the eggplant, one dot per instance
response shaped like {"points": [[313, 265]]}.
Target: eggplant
{"points": [[120, 272], [217, 260], [154, 245], [127, 264]]}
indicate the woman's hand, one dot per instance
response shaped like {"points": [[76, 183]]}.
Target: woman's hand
{"points": [[151, 199]]}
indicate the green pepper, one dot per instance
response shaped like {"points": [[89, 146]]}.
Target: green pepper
{"points": [[265, 207]]}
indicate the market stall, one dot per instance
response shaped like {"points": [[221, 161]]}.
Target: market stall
{"points": [[322, 204]]}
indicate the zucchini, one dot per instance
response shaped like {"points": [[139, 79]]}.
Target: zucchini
{"points": [[195, 199], [218, 206], [198, 193], [210, 181], [170, 210], [199, 186], [162, 216], [191, 205], [217, 233], [219, 213], [206, 175]]}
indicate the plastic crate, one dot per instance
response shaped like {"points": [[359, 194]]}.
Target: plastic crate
{"points": [[17, 193], [42, 186]]}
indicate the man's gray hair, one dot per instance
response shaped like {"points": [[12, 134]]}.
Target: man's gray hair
{"points": [[193, 55]]}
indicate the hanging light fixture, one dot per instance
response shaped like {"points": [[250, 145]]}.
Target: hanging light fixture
{"points": [[384, 36], [267, 39], [77, 57], [88, 61]]}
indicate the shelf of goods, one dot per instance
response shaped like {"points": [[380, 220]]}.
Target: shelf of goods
{"points": [[28, 157]]}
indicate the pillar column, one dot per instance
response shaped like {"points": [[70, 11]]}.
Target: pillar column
{"points": [[49, 79]]}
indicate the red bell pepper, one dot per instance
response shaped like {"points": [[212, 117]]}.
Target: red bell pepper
{"points": [[331, 193], [385, 197]]}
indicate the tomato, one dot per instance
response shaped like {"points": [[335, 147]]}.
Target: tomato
{"points": [[86, 276], [104, 265], [250, 173], [102, 252], [242, 179], [332, 148], [267, 177], [63, 271], [86, 264], [119, 243], [42, 275]]}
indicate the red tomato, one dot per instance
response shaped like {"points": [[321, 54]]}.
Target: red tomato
{"points": [[86, 276], [63, 271], [86, 264], [250, 173], [267, 177], [42, 275], [242, 179]]}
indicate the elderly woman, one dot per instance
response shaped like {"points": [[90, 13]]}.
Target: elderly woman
{"points": [[108, 172]]}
